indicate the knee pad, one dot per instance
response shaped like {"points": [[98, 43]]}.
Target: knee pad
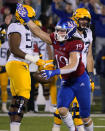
{"points": [[17, 108]]}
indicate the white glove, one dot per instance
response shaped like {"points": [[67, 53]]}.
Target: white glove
{"points": [[31, 58]]}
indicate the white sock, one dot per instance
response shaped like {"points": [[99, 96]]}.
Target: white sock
{"points": [[67, 119], [56, 127], [15, 126], [89, 128], [80, 128]]}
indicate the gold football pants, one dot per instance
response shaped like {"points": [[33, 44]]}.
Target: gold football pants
{"points": [[20, 81], [3, 84]]}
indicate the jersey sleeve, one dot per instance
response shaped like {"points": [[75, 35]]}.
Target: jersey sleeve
{"points": [[14, 27], [52, 37], [76, 45]]}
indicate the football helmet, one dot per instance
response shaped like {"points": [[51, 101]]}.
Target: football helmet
{"points": [[64, 29], [2, 36], [81, 13], [31, 14]]}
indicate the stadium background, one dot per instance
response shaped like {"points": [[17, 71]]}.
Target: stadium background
{"points": [[45, 13]]}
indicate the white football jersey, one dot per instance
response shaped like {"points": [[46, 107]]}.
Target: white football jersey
{"points": [[3, 53], [26, 40], [87, 40]]}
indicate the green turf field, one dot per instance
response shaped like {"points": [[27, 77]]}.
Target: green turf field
{"points": [[44, 123]]}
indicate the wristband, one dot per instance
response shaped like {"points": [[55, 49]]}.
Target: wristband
{"points": [[31, 58]]}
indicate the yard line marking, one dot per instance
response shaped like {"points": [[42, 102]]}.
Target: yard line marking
{"points": [[102, 119], [3, 130], [99, 126]]}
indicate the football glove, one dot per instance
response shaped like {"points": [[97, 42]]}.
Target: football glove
{"points": [[40, 62], [23, 12], [45, 64], [92, 85], [50, 73]]}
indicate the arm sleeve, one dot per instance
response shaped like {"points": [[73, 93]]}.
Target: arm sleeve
{"points": [[52, 37]]}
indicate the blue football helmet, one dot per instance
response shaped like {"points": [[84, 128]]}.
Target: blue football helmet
{"points": [[68, 26]]}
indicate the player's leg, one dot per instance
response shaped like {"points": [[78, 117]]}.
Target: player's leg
{"points": [[46, 90], [4, 94], [65, 97], [57, 121], [36, 86], [30, 104], [16, 112], [76, 116], [84, 98], [20, 83], [53, 94]]}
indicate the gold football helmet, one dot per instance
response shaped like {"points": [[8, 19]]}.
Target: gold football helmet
{"points": [[81, 13], [31, 14], [2, 36]]}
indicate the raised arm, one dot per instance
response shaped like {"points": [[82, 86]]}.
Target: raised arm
{"points": [[33, 27], [37, 31]]}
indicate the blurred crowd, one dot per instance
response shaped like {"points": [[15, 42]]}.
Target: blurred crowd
{"points": [[50, 11]]}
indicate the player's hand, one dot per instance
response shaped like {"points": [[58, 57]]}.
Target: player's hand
{"points": [[50, 73], [92, 85], [45, 64], [41, 62], [49, 65], [23, 12]]}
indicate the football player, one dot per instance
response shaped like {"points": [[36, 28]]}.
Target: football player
{"points": [[17, 67], [49, 89], [3, 74], [75, 80], [82, 18]]}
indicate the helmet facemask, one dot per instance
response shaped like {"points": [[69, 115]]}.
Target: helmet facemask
{"points": [[62, 34], [84, 24], [64, 30]]}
